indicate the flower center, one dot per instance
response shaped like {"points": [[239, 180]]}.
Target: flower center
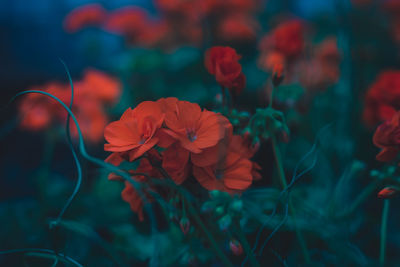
{"points": [[191, 134], [219, 174], [147, 129]]}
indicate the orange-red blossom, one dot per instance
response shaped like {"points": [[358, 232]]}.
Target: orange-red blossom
{"points": [[196, 144]]}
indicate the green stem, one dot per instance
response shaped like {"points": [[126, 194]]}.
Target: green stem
{"points": [[246, 246], [385, 215], [271, 97], [217, 250], [282, 179], [42, 176], [193, 213]]}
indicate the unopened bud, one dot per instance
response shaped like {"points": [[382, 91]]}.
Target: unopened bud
{"points": [[235, 247], [225, 222], [184, 224], [277, 74], [387, 192], [207, 207]]}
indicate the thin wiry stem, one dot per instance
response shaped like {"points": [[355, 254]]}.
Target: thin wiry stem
{"points": [[43, 253], [282, 178], [76, 160]]}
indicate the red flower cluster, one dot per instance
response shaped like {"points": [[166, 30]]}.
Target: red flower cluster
{"points": [[136, 26], [223, 62], [195, 143], [91, 95], [180, 22], [84, 16], [322, 69], [387, 138], [282, 48], [383, 98]]}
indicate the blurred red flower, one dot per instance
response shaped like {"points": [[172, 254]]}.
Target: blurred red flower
{"points": [[382, 98], [37, 111], [387, 138], [237, 27], [128, 21], [91, 94], [287, 38], [83, 16], [223, 63], [99, 86]]}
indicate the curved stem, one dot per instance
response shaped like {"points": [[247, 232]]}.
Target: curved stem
{"points": [[385, 215], [282, 179], [271, 96]]}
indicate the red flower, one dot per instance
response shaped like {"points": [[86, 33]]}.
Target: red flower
{"points": [[232, 173], [135, 131], [195, 129], [37, 111], [153, 34], [130, 195], [287, 38], [83, 16], [223, 63], [228, 6], [199, 132], [128, 21], [100, 86], [90, 95], [188, 10], [383, 98], [243, 146], [175, 162], [387, 137], [216, 54], [237, 28]]}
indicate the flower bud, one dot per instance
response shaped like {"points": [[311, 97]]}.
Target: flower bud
{"points": [[207, 207], [225, 222], [184, 224], [235, 247], [237, 205], [387, 193], [219, 210], [214, 193], [277, 75]]}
